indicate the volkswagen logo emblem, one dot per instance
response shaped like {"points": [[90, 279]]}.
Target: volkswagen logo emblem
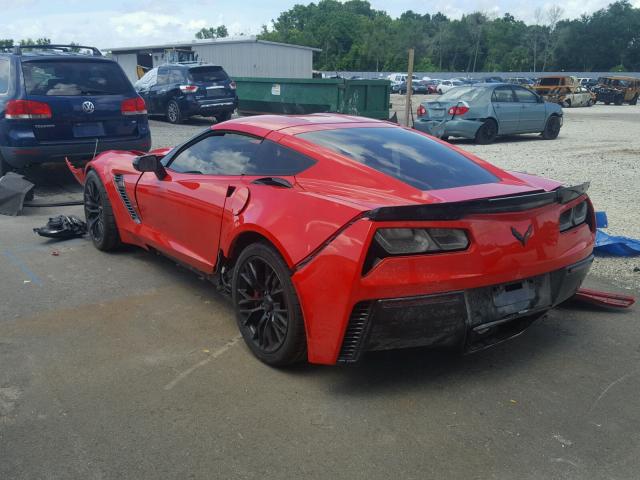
{"points": [[88, 107]]}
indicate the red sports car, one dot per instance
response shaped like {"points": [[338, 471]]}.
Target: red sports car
{"points": [[336, 235]]}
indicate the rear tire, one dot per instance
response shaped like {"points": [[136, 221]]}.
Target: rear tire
{"points": [[618, 100], [634, 101], [174, 114], [4, 167], [101, 223], [267, 308], [223, 117], [590, 103], [566, 104], [487, 133], [552, 128]]}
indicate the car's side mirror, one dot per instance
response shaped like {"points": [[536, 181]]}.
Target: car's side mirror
{"points": [[149, 163]]}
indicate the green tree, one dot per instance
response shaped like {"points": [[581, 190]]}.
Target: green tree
{"points": [[212, 32]]}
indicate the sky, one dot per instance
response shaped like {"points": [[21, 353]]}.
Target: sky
{"points": [[119, 23]]}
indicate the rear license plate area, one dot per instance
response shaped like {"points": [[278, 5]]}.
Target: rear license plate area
{"points": [[90, 129], [515, 297], [437, 112]]}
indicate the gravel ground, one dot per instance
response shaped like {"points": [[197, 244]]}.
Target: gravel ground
{"points": [[599, 144]]}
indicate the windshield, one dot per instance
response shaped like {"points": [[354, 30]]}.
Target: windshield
{"points": [[467, 93], [207, 74], [407, 156], [74, 78]]}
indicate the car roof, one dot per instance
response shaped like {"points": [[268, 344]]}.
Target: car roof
{"points": [[269, 123], [189, 65]]}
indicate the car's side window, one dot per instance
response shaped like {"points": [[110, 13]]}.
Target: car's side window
{"points": [[176, 75], [503, 94], [217, 154], [525, 96], [4, 76], [163, 76], [274, 159]]}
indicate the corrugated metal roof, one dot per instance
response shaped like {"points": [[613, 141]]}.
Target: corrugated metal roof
{"points": [[207, 42]]}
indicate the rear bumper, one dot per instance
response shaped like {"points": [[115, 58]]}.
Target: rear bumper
{"points": [[19, 157], [211, 106], [452, 128], [469, 320]]}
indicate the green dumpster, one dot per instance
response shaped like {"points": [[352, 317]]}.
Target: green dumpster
{"points": [[367, 98]]}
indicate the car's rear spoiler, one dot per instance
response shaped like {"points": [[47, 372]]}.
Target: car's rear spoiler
{"points": [[457, 210]]}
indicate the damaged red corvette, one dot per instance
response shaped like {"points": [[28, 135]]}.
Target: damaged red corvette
{"points": [[336, 235]]}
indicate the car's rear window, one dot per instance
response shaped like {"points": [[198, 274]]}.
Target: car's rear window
{"points": [[407, 156], [548, 82], [207, 74], [469, 94], [74, 78]]}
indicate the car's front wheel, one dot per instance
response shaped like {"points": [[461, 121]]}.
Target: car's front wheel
{"points": [[174, 114], [487, 133], [552, 128], [267, 307], [101, 223]]}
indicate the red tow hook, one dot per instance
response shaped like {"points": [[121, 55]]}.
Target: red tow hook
{"points": [[78, 173], [604, 299]]}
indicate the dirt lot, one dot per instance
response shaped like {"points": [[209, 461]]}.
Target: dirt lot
{"points": [[124, 366]]}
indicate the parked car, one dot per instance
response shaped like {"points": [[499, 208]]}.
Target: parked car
{"points": [[60, 101], [417, 86], [384, 237], [180, 91], [525, 82], [432, 85], [398, 78], [571, 96], [618, 89], [485, 111], [545, 84], [446, 85]]}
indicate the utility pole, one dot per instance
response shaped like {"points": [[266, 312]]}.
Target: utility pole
{"points": [[407, 106]]}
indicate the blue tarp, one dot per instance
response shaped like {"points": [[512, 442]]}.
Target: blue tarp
{"points": [[619, 246]]}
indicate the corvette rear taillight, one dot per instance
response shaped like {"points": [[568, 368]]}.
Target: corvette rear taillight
{"points": [[133, 106], [421, 111], [188, 88], [27, 110], [232, 85], [574, 216], [406, 241], [458, 110]]}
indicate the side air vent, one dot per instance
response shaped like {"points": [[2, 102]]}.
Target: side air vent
{"points": [[352, 344], [119, 181]]}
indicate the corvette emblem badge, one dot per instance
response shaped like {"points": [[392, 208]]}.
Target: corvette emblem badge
{"points": [[523, 239]]}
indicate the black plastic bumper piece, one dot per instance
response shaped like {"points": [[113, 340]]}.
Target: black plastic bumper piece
{"points": [[470, 320]]}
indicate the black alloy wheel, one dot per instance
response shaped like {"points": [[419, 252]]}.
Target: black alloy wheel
{"points": [[552, 128], [174, 115], [101, 223], [487, 133], [267, 308]]}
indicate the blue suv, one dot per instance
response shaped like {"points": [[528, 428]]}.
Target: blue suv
{"points": [[59, 101], [181, 90]]}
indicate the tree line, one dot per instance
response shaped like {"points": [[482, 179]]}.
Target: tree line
{"points": [[354, 36]]}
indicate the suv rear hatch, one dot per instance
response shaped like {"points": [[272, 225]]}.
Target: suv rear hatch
{"points": [[212, 82], [85, 97]]}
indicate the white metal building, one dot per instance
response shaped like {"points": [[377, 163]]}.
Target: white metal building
{"points": [[244, 57]]}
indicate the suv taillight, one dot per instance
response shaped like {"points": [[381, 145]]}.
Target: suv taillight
{"points": [[27, 110], [421, 111], [188, 88], [232, 85], [133, 106]]}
